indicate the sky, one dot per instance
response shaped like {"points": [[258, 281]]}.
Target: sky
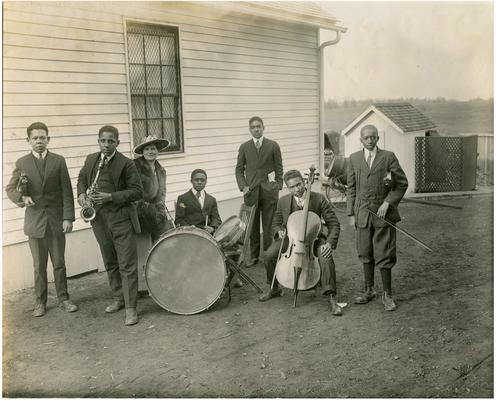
{"points": [[410, 49]]}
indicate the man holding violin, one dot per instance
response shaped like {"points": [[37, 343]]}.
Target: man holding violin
{"points": [[319, 205], [376, 182]]}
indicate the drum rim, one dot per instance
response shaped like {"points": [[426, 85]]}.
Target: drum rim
{"points": [[181, 230], [232, 217]]}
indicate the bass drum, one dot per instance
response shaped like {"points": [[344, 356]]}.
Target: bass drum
{"points": [[185, 271]]}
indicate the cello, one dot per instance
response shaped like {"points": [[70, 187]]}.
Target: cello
{"points": [[298, 268]]}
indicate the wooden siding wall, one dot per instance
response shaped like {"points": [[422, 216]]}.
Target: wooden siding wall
{"points": [[64, 64]]}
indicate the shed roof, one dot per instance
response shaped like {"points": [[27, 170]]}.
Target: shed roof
{"points": [[406, 116], [303, 12], [402, 114]]}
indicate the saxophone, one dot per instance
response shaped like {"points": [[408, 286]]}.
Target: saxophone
{"points": [[88, 212]]}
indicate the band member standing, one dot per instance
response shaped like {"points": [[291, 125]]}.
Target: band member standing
{"points": [[377, 182], [259, 176], [40, 182], [288, 204], [196, 207], [116, 220], [151, 209]]}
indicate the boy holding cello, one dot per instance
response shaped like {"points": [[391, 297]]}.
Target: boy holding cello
{"points": [[319, 205]]}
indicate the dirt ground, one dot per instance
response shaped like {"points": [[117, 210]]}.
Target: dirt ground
{"points": [[439, 342]]}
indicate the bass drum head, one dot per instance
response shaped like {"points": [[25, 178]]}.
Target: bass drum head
{"points": [[185, 271]]}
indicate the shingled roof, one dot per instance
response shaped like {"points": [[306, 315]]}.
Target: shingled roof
{"points": [[406, 116]]}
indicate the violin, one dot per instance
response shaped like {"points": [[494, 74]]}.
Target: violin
{"points": [[298, 268]]}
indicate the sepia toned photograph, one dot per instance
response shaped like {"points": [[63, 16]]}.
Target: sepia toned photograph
{"points": [[248, 199]]}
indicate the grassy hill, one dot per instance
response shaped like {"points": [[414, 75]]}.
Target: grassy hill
{"points": [[450, 116]]}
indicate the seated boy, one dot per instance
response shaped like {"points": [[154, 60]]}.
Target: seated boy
{"points": [[196, 207]]}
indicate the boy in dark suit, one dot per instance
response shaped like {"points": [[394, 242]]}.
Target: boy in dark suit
{"points": [[116, 220], [40, 182], [259, 176], [318, 204], [377, 182], [196, 207]]}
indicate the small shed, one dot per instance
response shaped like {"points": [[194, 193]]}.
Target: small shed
{"points": [[398, 125]]}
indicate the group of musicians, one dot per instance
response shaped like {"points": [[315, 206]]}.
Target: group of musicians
{"points": [[123, 197]]}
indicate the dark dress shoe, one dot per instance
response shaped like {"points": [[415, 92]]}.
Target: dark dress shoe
{"points": [[270, 294], [39, 310], [253, 262], [131, 316], [388, 302], [68, 306], [335, 309], [115, 306], [238, 283], [368, 295]]}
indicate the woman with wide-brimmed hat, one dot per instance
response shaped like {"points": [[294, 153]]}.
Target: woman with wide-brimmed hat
{"points": [[151, 209]]}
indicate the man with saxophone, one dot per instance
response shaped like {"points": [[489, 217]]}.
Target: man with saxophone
{"points": [[109, 182], [40, 182], [318, 204]]}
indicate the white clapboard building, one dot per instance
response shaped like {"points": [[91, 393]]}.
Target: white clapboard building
{"points": [[192, 72]]}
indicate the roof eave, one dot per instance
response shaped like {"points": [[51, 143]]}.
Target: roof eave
{"points": [[262, 10], [365, 114]]}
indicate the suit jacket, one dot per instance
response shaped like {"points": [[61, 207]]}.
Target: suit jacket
{"points": [[319, 205], [189, 211], [127, 181], [52, 195], [252, 169], [366, 188]]}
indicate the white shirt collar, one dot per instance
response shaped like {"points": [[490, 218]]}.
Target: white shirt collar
{"points": [[372, 153], [109, 157], [300, 200], [260, 139], [37, 155], [202, 192]]}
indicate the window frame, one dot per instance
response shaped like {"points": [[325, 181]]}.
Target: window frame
{"points": [[162, 155]]}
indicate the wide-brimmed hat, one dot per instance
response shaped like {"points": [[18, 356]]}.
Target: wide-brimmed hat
{"points": [[149, 140]]}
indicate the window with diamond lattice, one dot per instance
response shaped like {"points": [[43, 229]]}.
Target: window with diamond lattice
{"points": [[153, 58]]}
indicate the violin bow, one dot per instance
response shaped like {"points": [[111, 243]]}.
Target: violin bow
{"points": [[404, 232]]}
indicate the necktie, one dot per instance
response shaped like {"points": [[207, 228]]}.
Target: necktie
{"points": [[369, 160], [41, 162], [257, 145], [198, 195], [300, 202]]}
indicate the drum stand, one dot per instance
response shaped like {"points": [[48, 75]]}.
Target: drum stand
{"points": [[235, 268]]}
